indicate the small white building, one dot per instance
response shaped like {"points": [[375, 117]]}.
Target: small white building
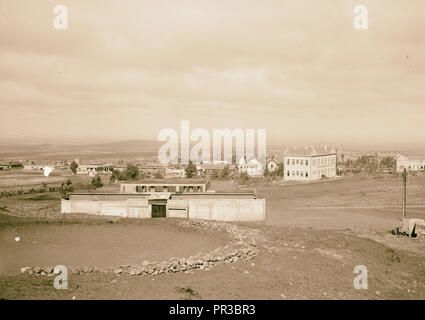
{"points": [[402, 162], [34, 167], [92, 169], [309, 163], [252, 168], [175, 173]]}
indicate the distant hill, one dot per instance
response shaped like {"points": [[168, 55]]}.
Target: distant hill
{"points": [[119, 149], [127, 145]]}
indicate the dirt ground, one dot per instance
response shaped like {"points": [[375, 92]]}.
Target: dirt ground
{"points": [[98, 245], [315, 234], [293, 263]]}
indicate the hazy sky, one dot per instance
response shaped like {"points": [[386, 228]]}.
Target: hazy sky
{"points": [[127, 69]]}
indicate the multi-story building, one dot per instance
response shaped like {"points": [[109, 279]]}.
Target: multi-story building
{"points": [[402, 162], [309, 163]]}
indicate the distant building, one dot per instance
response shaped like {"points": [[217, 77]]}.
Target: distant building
{"points": [[6, 166], [309, 163], [153, 170], [272, 165], [165, 198], [166, 185], [252, 168], [92, 169], [402, 162], [34, 167], [175, 173], [210, 170]]}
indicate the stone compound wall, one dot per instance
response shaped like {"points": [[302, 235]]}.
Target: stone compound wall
{"points": [[243, 245], [228, 209], [132, 208], [206, 209]]}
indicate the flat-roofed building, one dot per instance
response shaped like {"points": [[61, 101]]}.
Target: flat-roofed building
{"points": [[166, 185], [410, 164], [215, 169], [309, 163], [93, 168], [175, 173], [219, 206]]}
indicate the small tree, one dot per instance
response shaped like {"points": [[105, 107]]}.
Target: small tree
{"points": [[114, 176], [73, 167], [131, 172], [96, 182], [266, 172], [190, 170], [225, 173], [65, 188], [243, 177], [280, 171]]}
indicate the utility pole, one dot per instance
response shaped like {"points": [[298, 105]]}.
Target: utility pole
{"points": [[404, 192]]}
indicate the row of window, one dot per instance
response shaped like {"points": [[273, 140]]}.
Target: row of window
{"points": [[247, 166], [167, 189], [321, 172], [297, 161], [414, 167], [319, 161], [297, 174]]}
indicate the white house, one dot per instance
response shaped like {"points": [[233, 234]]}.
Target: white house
{"points": [[309, 163], [92, 169], [175, 173], [252, 168], [402, 162]]}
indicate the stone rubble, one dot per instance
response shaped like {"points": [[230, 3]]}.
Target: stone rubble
{"points": [[243, 246]]}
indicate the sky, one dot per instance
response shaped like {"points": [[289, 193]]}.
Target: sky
{"points": [[128, 69]]}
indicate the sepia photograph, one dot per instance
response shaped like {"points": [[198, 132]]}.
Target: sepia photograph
{"points": [[215, 156]]}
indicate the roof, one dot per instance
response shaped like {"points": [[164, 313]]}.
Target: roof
{"points": [[272, 160], [309, 151], [170, 181], [401, 157], [218, 166]]}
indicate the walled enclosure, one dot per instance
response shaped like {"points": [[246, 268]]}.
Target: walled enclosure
{"points": [[207, 209]]}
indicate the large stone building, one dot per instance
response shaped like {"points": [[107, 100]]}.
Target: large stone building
{"points": [[309, 163], [187, 199], [410, 164]]}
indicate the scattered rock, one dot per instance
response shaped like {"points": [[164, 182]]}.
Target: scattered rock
{"points": [[25, 269], [48, 269]]}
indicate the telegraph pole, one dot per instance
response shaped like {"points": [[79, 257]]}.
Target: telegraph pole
{"points": [[404, 192]]}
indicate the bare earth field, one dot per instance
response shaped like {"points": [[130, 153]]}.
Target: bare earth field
{"points": [[311, 246], [99, 245], [293, 263], [22, 179]]}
